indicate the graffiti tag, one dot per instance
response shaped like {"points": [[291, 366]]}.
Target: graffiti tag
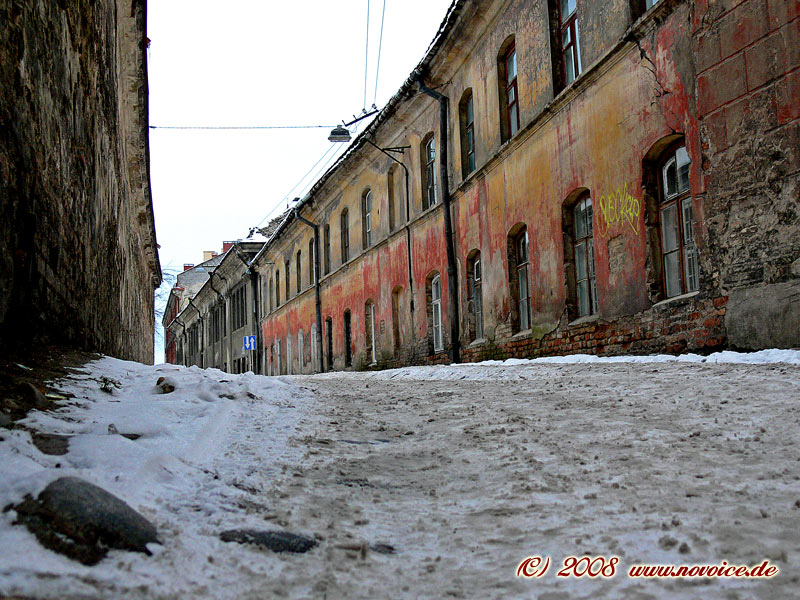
{"points": [[619, 207]]}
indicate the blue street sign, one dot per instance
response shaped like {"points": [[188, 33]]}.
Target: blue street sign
{"points": [[249, 342]]}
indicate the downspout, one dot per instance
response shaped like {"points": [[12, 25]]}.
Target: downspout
{"points": [[452, 283], [407, 228], [253, 292], [202, 330], [315, 227], [221, 297]]}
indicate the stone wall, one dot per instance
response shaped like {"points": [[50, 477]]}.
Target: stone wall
{"points": [[78, 255]]}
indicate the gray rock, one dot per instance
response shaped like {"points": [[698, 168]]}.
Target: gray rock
{"points": [[5, 420], [83, 521], [277, 541]]}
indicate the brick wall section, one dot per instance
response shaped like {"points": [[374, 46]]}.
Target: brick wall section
{"points": [[683, 325], [748, 86]]}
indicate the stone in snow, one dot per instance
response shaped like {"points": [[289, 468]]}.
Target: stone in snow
{"points": [[277, 541], [83, 521]]}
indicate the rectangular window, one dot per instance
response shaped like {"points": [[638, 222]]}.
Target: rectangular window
{"points": [[522, 279], [512, 103], [477, 299], [570, 44], [366, 207], [345, 230], [436, 309], [327, 251], [286, 264], [299, 267], [429, 193]]}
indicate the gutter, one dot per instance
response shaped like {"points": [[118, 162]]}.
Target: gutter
{"points": [[452, 278]]}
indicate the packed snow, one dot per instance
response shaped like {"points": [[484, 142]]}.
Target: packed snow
{"points": [[464, 469]]}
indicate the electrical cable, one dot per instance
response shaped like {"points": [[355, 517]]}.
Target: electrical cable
{"points": [[289, 193], [366, 59], [242, 127], [380, 45], [322, 169]]}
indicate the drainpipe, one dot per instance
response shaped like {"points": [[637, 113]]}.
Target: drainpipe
{"points": [[227, 324], [219, 296], [315, 227], [254, 291], [452, 283], [407, 228], [203, 331]]}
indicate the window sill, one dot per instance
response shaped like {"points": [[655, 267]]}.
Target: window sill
{"points": [[583, 320], [525, 333], [676, 299], [478, 342]]}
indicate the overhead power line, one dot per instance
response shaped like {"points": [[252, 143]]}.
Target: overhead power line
{"points": [[241, 127], [380, 45], [366, 58]]}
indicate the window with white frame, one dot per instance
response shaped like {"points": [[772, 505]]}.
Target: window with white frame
{"points": [[570, 42], [524, 301], [678, 250], [429, 172], [436, 313], [366, 219], [583, 248]]}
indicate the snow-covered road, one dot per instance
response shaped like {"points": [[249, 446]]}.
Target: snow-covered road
{"points": [[464, 470]]}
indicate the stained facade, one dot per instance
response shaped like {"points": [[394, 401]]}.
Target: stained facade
{"points": [[618, 177]]}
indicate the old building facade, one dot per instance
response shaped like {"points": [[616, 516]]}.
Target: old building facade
{"points": [[211, 310], [78, 253], [576, 176]]}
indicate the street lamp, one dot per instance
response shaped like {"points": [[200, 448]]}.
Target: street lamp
{"points": [[340, 133]]}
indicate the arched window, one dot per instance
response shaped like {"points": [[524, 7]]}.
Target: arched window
{"points": [[680, 264], [466, 115], [583, 253], [326, 253], [329, 342], [396, 318], [428, 171], [345, 231], [475, 295], [366, 219], [509, 94], [271, 294], [348, 340], [391, 178], [286, 265], [312, 267], [518, 277], [369, 331], [299, 269], [433, 292]]}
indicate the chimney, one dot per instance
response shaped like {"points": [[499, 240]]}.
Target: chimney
{"points": [[227, 246], [208, 255], [187, 266]]}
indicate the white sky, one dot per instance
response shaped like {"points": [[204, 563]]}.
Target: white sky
{"points": [[250, 62], [260, 63]]}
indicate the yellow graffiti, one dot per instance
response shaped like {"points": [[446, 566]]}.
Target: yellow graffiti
{"points": [[619, 207]]}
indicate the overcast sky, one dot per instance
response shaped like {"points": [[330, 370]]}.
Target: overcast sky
{"points": [[261, 63]]}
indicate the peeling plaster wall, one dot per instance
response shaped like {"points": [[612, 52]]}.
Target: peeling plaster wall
{"points": [[649, 80], [77, 240]]}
